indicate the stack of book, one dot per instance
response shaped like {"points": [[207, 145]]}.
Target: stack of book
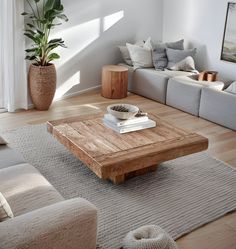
{"points": [[129, 125]]}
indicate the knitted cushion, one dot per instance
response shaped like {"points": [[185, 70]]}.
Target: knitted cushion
{"points": [[149, 237]]}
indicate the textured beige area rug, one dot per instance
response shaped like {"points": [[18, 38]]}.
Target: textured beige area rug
{"points": [[181, 196]]}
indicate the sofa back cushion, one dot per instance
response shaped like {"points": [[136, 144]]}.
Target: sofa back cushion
{"points": [[5, 210], [26, 189], [160, 60]]}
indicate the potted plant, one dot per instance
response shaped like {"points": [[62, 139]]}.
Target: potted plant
{"points": [[43, 17]]}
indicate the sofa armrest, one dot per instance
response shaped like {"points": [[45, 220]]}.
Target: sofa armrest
{"points": [[70, 224]]}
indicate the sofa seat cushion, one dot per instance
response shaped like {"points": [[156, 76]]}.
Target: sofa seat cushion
{"points": [[151, 83], [184, 93], [9, 157], [25, 189]]}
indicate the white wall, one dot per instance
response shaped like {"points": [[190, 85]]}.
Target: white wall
{"points": [[201, 23], [90, 46]]}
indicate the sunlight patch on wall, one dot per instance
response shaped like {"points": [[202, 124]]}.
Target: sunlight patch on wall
{"points": [[67, 86], [78, 38], [111, 20]]}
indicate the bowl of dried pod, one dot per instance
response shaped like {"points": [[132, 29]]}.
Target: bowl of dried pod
{"points": [[123, 111]]}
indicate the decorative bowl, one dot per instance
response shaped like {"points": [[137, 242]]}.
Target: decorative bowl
{"points": [[123, 111]]}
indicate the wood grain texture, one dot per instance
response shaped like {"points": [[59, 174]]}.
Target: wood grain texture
{"points": [[113, 156], [114, 82], [220, 234]]}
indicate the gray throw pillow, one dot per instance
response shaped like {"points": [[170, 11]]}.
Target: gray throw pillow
{"points": [[179, 45], [125, 55], [160, 60], [174, 56], [187, 65]]}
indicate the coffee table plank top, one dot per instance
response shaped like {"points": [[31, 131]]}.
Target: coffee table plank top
{"points": [[110, 154]]}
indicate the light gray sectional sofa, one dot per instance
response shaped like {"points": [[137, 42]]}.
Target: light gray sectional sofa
{"points": [[151, 83], [42, 218], [183, 91]]}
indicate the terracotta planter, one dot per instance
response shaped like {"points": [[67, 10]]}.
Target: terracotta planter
{"points": [[42, 85]]}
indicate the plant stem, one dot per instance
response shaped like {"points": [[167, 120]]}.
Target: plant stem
{"points": [[43, 7]]}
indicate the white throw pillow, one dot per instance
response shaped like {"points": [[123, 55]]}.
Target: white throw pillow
{"points": [[125, 52], [141, 56], [148, 43], [231, 88], [5, 210], [187, 65]]}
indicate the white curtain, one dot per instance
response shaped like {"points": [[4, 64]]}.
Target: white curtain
{"points": [[13, 77]]}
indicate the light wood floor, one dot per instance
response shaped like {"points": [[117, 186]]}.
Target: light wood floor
{"points": [[220, 234]]}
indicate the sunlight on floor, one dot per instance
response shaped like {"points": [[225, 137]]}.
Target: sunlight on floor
{"points": [[92, 107]]}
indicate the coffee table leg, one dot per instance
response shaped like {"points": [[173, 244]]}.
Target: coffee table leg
{"points": [[118, 179], [121, 178]]}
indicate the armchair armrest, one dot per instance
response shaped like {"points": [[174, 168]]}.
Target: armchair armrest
{"points": [[70, 224]]}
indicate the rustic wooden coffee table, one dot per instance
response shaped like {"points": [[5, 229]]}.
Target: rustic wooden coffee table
{"points": [[117, 157]]}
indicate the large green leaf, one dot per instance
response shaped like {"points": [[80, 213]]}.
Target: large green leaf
{"points": [[48, 5], [24, 14], [53, 56], [52, 4], [40, 32], [63, 17], [30, 25], [55, 40], [30, 36], [31, 58], [31, 50], [30, 31]]}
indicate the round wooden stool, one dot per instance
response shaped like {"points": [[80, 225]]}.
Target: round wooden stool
{"points": [[114, 82]]}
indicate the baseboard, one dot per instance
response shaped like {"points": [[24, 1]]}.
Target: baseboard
{"points": [[67, 96]]}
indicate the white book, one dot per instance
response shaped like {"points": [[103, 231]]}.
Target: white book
{"points": [[129, 128], [119, 122]]}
